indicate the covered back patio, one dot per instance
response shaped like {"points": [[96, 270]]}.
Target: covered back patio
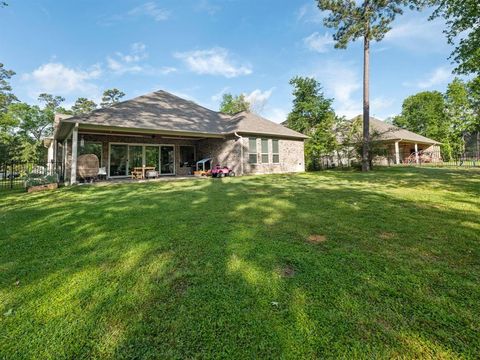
{"points": [[409, 152], [127, 154]]}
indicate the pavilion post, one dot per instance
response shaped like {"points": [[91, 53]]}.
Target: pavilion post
{"points": [[397, 153]]}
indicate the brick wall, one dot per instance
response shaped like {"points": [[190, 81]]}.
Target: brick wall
{"points": [[228, 153]]}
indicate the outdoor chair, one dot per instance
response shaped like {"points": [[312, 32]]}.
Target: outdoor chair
{"points": [[87, 167], [151, 174]]}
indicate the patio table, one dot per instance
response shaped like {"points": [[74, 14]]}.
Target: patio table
{"points": [[141, 170]]}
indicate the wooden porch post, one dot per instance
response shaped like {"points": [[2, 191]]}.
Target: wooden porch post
{"points": [[64, 159], [397, 153], [73, 171], [416, 153]]}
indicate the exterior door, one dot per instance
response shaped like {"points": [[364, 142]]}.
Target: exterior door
{"points": [[118, 160], [167, 160], [152, 156], [135, 157]]}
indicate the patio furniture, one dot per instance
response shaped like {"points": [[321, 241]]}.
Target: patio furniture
{"points": [[87, 167], [139, 172], [149, 174], [102, 173]]}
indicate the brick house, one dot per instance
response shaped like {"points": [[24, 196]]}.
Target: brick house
{"points": [[169, 133]]}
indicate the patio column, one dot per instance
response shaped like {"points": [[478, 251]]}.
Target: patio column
{"points": [[397, 153], [73, 170], [416, 153]]}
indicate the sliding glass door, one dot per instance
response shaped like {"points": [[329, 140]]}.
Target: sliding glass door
{"points": [[125, 157], [152, 158], [118, 160], [167, 160], [135, 157]]}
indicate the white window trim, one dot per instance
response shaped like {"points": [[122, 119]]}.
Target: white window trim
{"points": [[253, 153], [277, 153], [263, 153]]}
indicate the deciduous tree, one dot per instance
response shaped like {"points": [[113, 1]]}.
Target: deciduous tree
{"points": [[425, 113], [6, 95], [312, 115], [460, 113], [234, 104], [463, 31]]}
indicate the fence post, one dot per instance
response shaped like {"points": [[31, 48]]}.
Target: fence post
{"points": [[11, 175]]}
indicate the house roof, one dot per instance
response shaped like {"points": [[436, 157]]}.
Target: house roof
{"points": [[162, 111], [391, 132], [250, 123]]}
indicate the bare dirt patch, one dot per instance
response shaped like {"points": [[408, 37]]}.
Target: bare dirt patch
{"points": [[180, 286], [386, 235], [316, 239], [287, 271]]}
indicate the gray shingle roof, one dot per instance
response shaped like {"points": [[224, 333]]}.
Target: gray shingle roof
{"points": [[246, 122], [391, 132], [162, 111]]}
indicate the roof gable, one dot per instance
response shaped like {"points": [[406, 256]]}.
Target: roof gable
{"points": [[391, 132]]}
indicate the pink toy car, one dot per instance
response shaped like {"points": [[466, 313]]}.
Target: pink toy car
{"points": [[219, 171]]}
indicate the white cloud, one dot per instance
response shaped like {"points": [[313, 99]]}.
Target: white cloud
{"points": [[439, 76], [418, 34], [380, 103], [126, 63], [342, 82], [215, 61], [276, 114], [58, 78], [208, 7], [310, 13], [131, 62], [319, 43], [151, 10], [258, 99]]}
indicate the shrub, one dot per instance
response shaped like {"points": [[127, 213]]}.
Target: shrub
{"points": [[36, 180]]}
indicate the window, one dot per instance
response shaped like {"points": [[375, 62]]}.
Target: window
{"points": [[90, 147], [252, 150], [275, 152], [187, 156], [265, 151]]}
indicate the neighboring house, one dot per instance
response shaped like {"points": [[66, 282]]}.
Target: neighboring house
{"points": [[398, 145], [169, 133]]}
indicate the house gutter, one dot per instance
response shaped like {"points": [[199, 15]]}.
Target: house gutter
{"points": [[241, 150]]}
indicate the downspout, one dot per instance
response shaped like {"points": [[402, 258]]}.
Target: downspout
{"points": [[241, 151]]}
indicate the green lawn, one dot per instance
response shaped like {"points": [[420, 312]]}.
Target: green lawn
{"points": [[318, 265]]}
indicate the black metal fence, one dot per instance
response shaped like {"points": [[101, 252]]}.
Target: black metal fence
{"points": [[435, 158], [17, 174], [469, 159]]}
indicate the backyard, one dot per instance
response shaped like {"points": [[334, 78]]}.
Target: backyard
{"points": [[317, 265]]}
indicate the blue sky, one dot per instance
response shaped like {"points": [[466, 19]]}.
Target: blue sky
{"points": [[201, 49]]}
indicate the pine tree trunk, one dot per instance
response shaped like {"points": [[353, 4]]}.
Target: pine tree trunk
{"points": [[366, 105]]}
